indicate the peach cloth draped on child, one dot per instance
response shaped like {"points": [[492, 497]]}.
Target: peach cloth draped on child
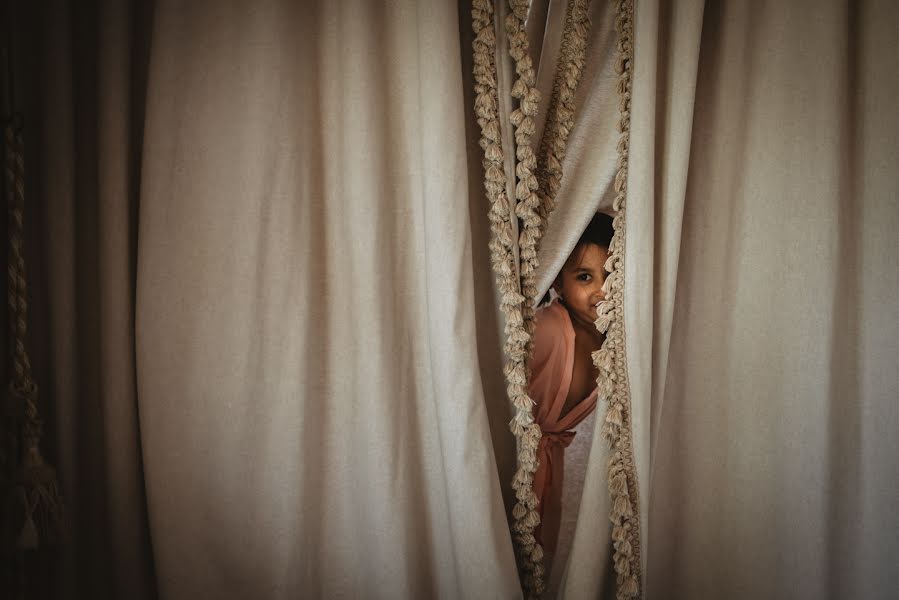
{"points": [[551, 370]]}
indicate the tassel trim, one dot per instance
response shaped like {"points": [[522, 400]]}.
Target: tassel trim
{"points": [[518, 325], [535, 191], [611, 360]]}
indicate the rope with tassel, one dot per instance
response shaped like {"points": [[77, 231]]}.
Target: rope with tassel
{"points": [[35, 485]]}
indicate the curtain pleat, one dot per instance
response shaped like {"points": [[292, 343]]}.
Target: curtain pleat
{"points": [[83, 83], [312, 416], [763, 384], [761, 210]]}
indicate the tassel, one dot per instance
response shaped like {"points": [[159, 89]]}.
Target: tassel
{"points": [[622, 566], [609, 433], [519, 511], [623, 546], [519, 89], [630, 588], [42, 493], [622, 507], [520, 8], [494, 173], [533, 96], [608, 284], [522, 478], [486, 36], [618, 485], [610, 264], [28, 537], [613, 415], [603, 359], [604, 316]]}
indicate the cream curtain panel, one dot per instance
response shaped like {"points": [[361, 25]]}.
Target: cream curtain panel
{"points": [[259, 257], [265, 325], [761, 312], [766, 266]]}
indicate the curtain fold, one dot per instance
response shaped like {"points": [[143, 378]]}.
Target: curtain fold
{"points": [[312, 416], [304, 397], [83, 81], [589, 166], [779, 388], [760, 211], [667, 46], [265, 328]]}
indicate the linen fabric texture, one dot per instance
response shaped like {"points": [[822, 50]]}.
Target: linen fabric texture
{"points": [[264, 321]]}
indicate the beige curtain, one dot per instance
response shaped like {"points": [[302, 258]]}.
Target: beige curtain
{"points": [[312, 418], [261, 310], [761, 317], [264, 318], [774, 463]]}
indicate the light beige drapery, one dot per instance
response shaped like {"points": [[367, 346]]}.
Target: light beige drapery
{"points": [[761, 280], [762, 321], [257, 258], [774, 462]]}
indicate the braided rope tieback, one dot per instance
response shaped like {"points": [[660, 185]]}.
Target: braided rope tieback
{"points": [[35, 483]]}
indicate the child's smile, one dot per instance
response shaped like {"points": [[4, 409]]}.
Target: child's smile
{"points": [[580, 283]]}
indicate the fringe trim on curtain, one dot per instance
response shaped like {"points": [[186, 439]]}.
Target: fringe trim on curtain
{"points": [[527, 207], [560, 115], [610, 359], [534, 201], [512, 302]]}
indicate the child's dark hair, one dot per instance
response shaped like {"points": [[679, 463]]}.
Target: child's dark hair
{"points": [[599, 231]]}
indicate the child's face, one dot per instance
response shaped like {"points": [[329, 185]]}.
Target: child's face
{"points": [[580, 282]]}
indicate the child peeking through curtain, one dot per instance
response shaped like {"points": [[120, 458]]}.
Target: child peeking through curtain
{"points": [[563, 386]]}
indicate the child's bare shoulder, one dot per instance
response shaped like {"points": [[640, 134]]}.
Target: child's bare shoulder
{"points": [[550, 324]]}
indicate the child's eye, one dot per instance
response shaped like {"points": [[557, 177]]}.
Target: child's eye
{"points": [[584, 277]]}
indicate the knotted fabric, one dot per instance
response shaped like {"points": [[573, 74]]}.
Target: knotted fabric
{"points": [[551, 367]]}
